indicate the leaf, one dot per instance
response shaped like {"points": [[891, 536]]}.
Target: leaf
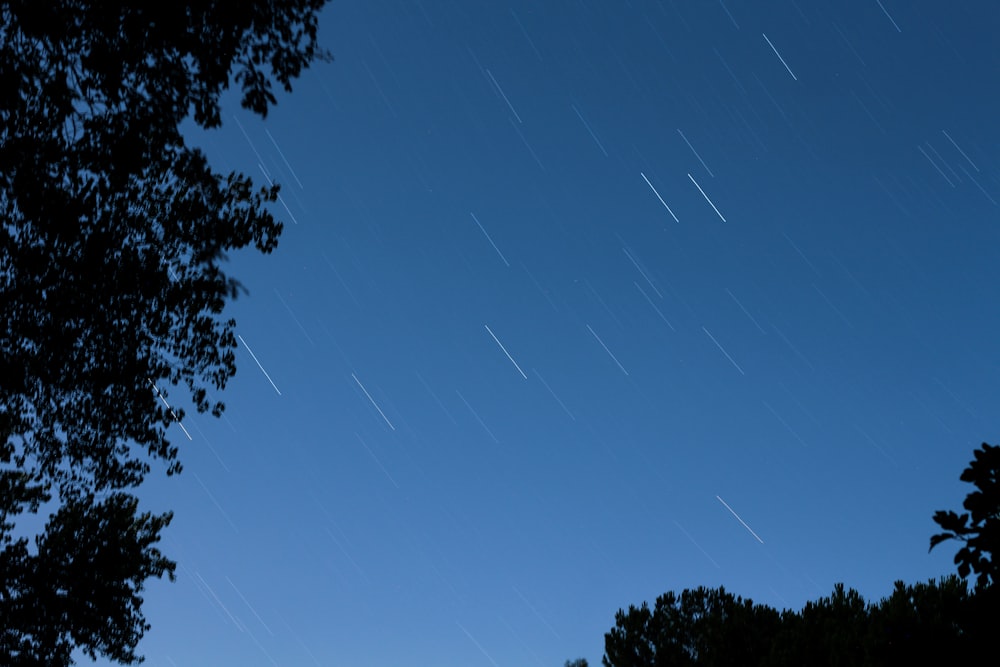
{"points": [[951, 521], [939, 538]]}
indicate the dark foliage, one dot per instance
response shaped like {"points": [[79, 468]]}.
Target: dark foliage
{"points": [[921, 624], [979, 527], [698, 627], [80, 588], [829, 631], [112, 230], [112, 236], [934, 623]]}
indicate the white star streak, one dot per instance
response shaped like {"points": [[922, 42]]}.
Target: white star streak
{"points": [[802, 255], [723, 351], [706, 197], [506, 352], [246, 136], [779, 57], [784, 423], [478, 645], [373, 401], [887, 16], [217, 505], [217, 600], [478, 418], [249, 606], [546, 385], [658, 196], [587, 125], [729, 15], [289, 309], [258, 364], [644, 274], [934, 164], [483, 230], [741, 520], [745, 312], [695, 153], [607, 350], [535, 612], [346, 553], [696, 544], [662, 316], [280, 199], [527, 145], [436, 399], [525, 33], [379, 463], [962, 167], [959, 150], [284, 159], [504, 96], [173, 414], [944, 162]]}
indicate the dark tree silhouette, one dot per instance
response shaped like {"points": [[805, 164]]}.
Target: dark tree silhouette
{"points": [[918, 624], [931, 623], [112, 236], [80, 589], [830, 631], [938, 622], [698, 627], [979, 528], [579, 662]]}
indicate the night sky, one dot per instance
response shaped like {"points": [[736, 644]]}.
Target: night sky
{"points": [[580, 302]]}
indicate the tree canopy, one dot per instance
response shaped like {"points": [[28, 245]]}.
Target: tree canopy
{"points": [[114, 229], [698, 627], [112, 236], [81, 588], [979, 528], [712, 628], [938, 622]]}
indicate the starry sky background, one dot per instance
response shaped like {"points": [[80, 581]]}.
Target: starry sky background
{"points": [[567, 286]]}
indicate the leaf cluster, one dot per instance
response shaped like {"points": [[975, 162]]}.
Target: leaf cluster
{"points": [[112, 229], [916, 624], [80, 586], [979, 527], [113, 236]]}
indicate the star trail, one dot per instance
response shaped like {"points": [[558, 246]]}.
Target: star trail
{"points": [[564, 277]]}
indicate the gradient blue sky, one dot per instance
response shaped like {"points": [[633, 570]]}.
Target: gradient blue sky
{"points": [[812, 341]]}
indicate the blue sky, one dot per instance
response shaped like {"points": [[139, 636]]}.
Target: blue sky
{"points": [[569, 292]]}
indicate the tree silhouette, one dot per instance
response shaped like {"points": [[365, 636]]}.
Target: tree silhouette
{"points": [[698, 627], [938, 622], [979, 528], [112, 235], [924, 623], [80, 589], [828, 632], [709, 628]]}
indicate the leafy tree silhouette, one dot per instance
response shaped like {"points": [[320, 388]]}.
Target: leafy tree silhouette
{"points": [[979, 528], [711, 628], [924, 623], [81, 588], [938, 622], [830, 631], [698, 627], [112, 235]]}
